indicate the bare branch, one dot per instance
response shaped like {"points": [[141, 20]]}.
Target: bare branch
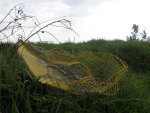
{"points": [[13, 24]]}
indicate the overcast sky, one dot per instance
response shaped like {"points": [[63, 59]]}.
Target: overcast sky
{"points": [[107, 19]]}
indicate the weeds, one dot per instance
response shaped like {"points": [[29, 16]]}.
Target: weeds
{"points": [[21, 94]]}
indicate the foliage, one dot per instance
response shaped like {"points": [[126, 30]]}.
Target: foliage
{"points": [[135, 53], [21, 94], [134, 33], [137, 36]]}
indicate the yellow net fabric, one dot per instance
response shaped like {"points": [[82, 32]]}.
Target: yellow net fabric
{"points": [[80, 72]]}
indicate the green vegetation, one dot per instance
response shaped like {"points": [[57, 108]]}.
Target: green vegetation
{"points": [[19, 93]]}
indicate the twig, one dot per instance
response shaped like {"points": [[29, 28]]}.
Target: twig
{"points": [[16, 24]]}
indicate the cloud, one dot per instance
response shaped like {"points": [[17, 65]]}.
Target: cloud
{"points": [[85, 2], [114, 19], [90, 18], [50, 9], [55, 8]]}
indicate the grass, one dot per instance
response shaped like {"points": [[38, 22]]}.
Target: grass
{"points": [[21, 94]]}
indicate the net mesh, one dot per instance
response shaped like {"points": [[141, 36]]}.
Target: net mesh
{"points": [[80, 72]]}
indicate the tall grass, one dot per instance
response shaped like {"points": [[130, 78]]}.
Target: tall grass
{"points": [[136, 54], [21, 94]]}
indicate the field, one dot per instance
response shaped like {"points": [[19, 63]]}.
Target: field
{"points": [[19, 93]]}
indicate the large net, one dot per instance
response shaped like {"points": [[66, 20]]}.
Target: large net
{"points": [[80, 72]]}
